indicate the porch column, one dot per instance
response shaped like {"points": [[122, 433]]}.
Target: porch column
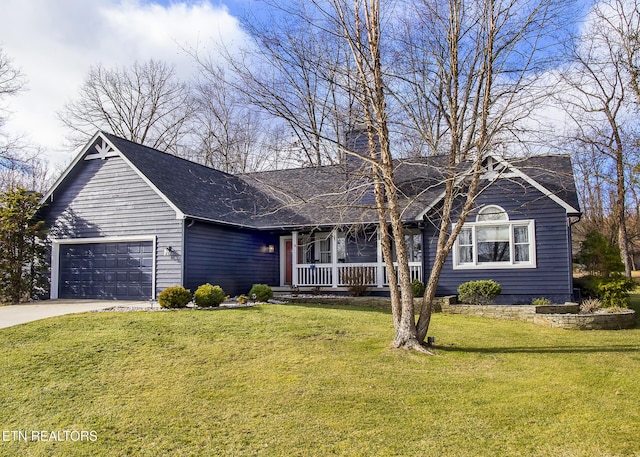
{"points": [[294, 259], [334, 258], [380, 268]]}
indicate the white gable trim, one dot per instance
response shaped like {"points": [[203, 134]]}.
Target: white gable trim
{"points": [[510, 171], [103, 151], [546, 192], [71, 166], [440, 196], [179, 213], [107, 149]]}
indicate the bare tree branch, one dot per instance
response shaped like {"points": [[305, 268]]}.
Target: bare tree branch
{"points": [[145, 103]]}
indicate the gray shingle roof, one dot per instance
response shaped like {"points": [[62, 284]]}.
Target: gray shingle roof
{"points": [[309, 196]]}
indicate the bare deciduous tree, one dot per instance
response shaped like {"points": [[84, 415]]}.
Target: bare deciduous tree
{"points": [[11, 82], [230, 131], [602, 102], [145, 103], [296, 70], [470, 74], [465, 91], [20, 165], [11, 79]]}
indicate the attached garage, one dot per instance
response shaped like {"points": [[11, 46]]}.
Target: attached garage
{"points": [[100, 269]]}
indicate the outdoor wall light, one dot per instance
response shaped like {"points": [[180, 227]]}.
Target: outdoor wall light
{"points": [[270, 248], [168, 251]]}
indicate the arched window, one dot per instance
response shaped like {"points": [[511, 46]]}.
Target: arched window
{"points": [[492, 213]]}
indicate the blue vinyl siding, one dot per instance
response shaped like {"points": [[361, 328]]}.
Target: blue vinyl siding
{"points": [[232, 258], [362, 247], [552, 276], [107, 198]]}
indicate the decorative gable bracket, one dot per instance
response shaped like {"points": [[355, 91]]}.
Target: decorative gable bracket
{"points": [[495, 169], [103, 151]]}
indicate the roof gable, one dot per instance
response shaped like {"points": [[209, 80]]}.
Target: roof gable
{"points": [[101, 147], [196, 190], [307, 196], [552, 175]]}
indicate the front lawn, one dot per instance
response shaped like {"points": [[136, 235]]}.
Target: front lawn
{"points": [[285, 380]]}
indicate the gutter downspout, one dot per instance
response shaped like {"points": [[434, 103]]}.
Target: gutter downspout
{"points": [[185, 226], [570, 249]]}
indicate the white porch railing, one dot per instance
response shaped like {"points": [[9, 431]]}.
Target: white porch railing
{"points": [[336, 275], [415, 270], [314, 275]]}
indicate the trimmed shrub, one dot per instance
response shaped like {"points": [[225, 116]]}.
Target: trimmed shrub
{"points": [[207, 295], [541, 301], [481, 292], [261, 292], [417, 287], [174, 297], [357, 280]]}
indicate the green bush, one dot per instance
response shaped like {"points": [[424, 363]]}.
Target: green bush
{"points": [[417, 287], [207, 295], [615, 292], [260, 292], [479, 292], [541, 301], [612, 291], [174, 297], [600, 256]]}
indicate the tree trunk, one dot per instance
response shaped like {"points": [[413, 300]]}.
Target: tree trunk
{"points": [[623, 239]]}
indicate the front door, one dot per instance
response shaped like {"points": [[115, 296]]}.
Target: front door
{"points": [[288, 262]]}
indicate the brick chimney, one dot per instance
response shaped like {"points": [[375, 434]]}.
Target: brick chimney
{"points": [[357, 145]]}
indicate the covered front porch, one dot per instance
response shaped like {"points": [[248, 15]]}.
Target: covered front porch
{"points": [[336, 259]]}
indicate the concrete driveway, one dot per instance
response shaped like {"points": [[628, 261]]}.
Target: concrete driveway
{"points": [[19, 314]]}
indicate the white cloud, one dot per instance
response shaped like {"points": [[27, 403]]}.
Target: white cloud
{"points": [[55, 43]]}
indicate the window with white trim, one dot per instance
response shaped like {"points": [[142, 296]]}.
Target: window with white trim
{"points": [[413, 243], [494, 241], [316, 247]]}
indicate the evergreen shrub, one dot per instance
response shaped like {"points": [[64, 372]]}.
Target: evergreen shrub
{"points": [[480, 292], [417, 287], [174, 297], [261, 292], [207, 295]]}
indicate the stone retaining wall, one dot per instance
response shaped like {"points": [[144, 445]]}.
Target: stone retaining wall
{"points": [[604, 321], [439, 302], [514, 313], [567, 308], [554, 316]]}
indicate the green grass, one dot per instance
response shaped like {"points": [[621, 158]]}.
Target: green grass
{"points": [[313, 381]]}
